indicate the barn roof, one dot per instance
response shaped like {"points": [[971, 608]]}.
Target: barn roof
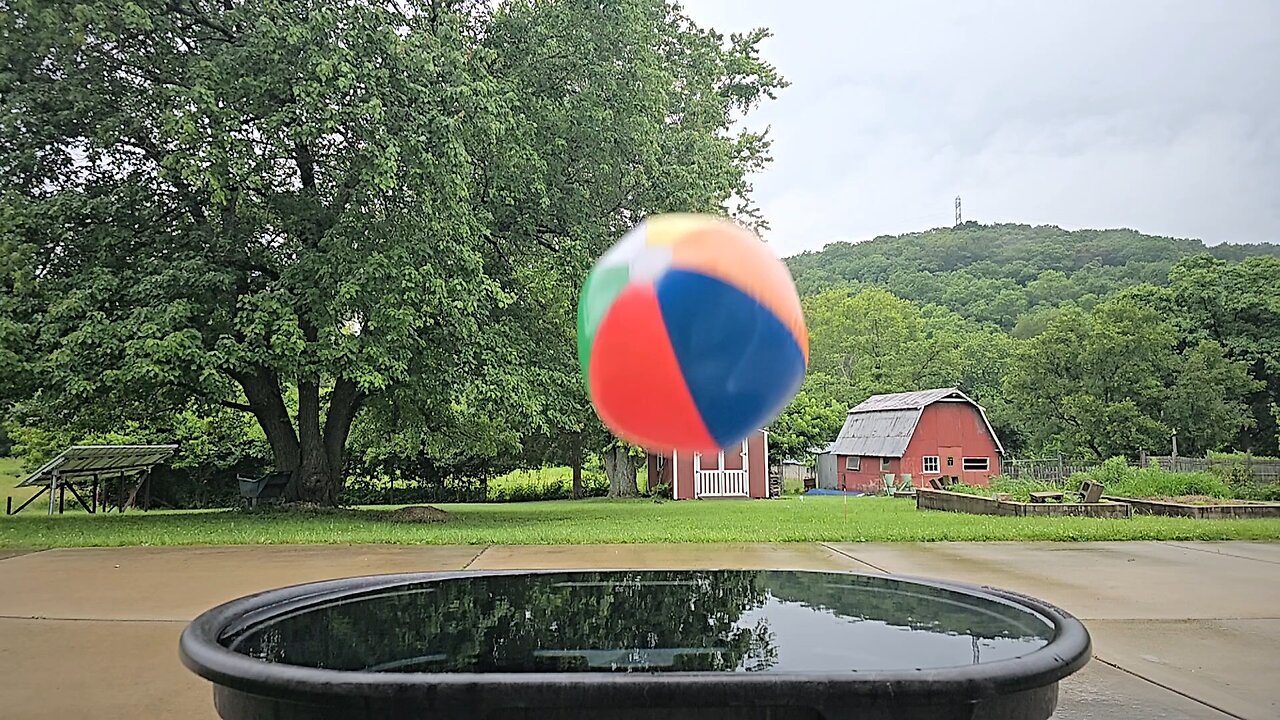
{"points": [[882, 425], [917, 400]]}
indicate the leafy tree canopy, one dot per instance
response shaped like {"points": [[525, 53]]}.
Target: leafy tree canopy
{"points": [[358, 204]]}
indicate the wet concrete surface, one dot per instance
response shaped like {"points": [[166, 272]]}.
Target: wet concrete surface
{"points": [[1102, 692], [1099, 580], [61, 669], [1181, 630], [793, 556], [1232, 665], [178, 583], [1199, 619]]}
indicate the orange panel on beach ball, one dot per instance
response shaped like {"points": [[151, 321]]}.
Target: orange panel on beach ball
{"points": [[635, 381]]}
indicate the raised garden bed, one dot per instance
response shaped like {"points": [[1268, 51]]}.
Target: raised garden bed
{"points": [[927, 499], [1218, 509]]}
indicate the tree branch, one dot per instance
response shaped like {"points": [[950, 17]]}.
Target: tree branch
{"points": [[235, 405], [306, 163], [201, 20]]}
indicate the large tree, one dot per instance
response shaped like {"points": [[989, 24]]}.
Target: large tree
{"points": [[238, 202], [1236, 305], [1115, 381]]}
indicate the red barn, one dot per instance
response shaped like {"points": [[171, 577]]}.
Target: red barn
{"points": [[741, 471], [925, 435]]}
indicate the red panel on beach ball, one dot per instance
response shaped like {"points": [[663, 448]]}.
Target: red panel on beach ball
{"points": [[635, 381]]}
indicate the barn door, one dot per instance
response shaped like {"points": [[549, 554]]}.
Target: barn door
{"points": [[950, 463]]}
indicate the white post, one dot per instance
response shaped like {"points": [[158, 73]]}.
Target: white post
{"points": [[675, 475], [697, 475], [767, 468]]}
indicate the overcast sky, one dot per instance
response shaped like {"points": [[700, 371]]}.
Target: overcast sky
{"points": [[1159, 116]]}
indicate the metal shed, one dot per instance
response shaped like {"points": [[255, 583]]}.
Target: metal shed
{"points": [[88, 465]]}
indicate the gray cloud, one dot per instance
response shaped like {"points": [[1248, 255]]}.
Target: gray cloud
{"points": [[1160, 116]]}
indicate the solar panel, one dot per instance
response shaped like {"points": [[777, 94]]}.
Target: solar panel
{"points": [[88, 460]]}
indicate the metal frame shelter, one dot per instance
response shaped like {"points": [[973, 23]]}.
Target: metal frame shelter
{"points": [[86, 465]]}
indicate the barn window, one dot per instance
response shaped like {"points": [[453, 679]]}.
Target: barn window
{"points": [[853, 462], [982, 464], [884, 464], [931, 463]]}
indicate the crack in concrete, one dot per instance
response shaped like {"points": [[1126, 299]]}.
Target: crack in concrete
{"points": [[476, 557], [842, 553], [1173, 690], [1171, 543], [89, 619], [21, 553]]}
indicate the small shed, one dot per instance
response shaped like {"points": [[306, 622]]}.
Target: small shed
{"points": [[741, 471], [918, 436]]}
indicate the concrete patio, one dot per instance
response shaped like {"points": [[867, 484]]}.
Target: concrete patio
{"points": [[1180, 630]]}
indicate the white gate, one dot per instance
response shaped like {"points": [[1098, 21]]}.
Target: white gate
{"points": [[720, 483]]}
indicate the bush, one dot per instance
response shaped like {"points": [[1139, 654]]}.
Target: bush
{"points": [[1241, 456], [545, 484], [661, 491], [1259, 493], [371, 490], [1121, 479], [971, 490], [1019, 490]]}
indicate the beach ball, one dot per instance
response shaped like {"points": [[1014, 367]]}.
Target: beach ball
{"points": [[690, 334]]}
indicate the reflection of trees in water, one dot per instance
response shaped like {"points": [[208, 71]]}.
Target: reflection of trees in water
{"points": [[602, 621], [911, 606], [510, 623]]}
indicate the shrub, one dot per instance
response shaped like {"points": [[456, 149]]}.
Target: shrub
{"points": [[377, 490], [1260, 493], [1235, 475], [970, 490], [1242, 456], [545, 484], [1120, 478], [661, 492]]}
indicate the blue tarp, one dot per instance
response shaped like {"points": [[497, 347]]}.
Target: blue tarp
{"points": [[825, 491]]}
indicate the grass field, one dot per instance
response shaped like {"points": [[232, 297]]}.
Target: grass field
{"points": [[11, 474], [604, 521]]}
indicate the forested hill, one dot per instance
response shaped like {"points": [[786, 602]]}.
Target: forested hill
{"points": [[1039, 325], [1000, 273]]}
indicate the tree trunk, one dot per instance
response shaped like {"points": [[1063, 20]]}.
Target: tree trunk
{"points": [[621, 471], [576, 464], [262, 389], [314, 455], [314, 481], [344, 403]]}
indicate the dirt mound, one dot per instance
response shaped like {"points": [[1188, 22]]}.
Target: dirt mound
{"points": [[418, 514]]}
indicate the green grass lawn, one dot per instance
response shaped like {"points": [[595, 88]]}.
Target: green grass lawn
{"points": [[11, 474], [604, 521]]}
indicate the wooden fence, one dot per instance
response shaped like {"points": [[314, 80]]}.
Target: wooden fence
{"points": [[1264, 471], [1046, 470], [1057, 470]]}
